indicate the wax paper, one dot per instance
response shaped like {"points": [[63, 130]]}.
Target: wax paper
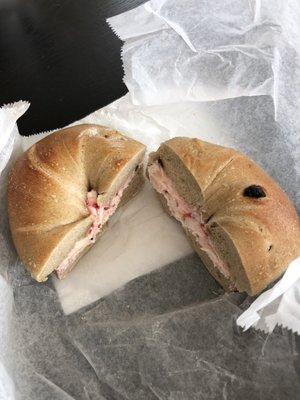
{"points": [[170, 333], [236, 65]]}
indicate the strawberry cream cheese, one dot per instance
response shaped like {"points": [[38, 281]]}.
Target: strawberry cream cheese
{"points": [[190, 218], [100, 214]]}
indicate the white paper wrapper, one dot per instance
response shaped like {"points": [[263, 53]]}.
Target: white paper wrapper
{"points": [[192, 57], [169, 97], [277, 306], [9, 149], [203, 57]]}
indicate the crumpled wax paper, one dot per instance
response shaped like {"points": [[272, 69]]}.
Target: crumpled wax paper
{"points": [[171, 333], [9, 149], [227, 72], [277, 306]]}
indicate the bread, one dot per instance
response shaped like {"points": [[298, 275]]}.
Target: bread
{"points": [[245, 217], [47, 193]]}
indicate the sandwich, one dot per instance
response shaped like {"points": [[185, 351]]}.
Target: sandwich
{"points": [[63, 190], [238, 220]]}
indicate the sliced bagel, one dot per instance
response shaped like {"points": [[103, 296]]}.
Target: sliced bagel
{"points": [[239, 221], [63, 190]]}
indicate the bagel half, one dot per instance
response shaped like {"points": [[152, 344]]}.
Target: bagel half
{"points": [[62, 191], [239, 221]]}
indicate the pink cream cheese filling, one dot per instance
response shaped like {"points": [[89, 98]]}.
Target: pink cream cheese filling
{"points": [[100, 214], [189, 217]]}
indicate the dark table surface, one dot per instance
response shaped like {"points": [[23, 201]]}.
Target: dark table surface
{"points": [[61, 56]]}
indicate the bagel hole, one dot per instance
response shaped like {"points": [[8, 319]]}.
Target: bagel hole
{"points": [[159, 160]]}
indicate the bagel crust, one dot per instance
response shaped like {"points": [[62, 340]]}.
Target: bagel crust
{"points": [[239, 221], [48, 205]]}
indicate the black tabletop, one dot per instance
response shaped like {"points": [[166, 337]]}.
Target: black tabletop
{"points": [[61, 56]]}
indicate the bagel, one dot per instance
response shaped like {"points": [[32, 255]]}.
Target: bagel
{"points": [[239, 221], [62, 191]]}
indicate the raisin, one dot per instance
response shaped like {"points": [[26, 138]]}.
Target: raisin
{"points": [[254, 191]]}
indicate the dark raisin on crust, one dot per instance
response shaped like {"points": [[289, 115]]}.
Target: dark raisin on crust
{"points": [[136, 168], [159, 160], [254, 191]]}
